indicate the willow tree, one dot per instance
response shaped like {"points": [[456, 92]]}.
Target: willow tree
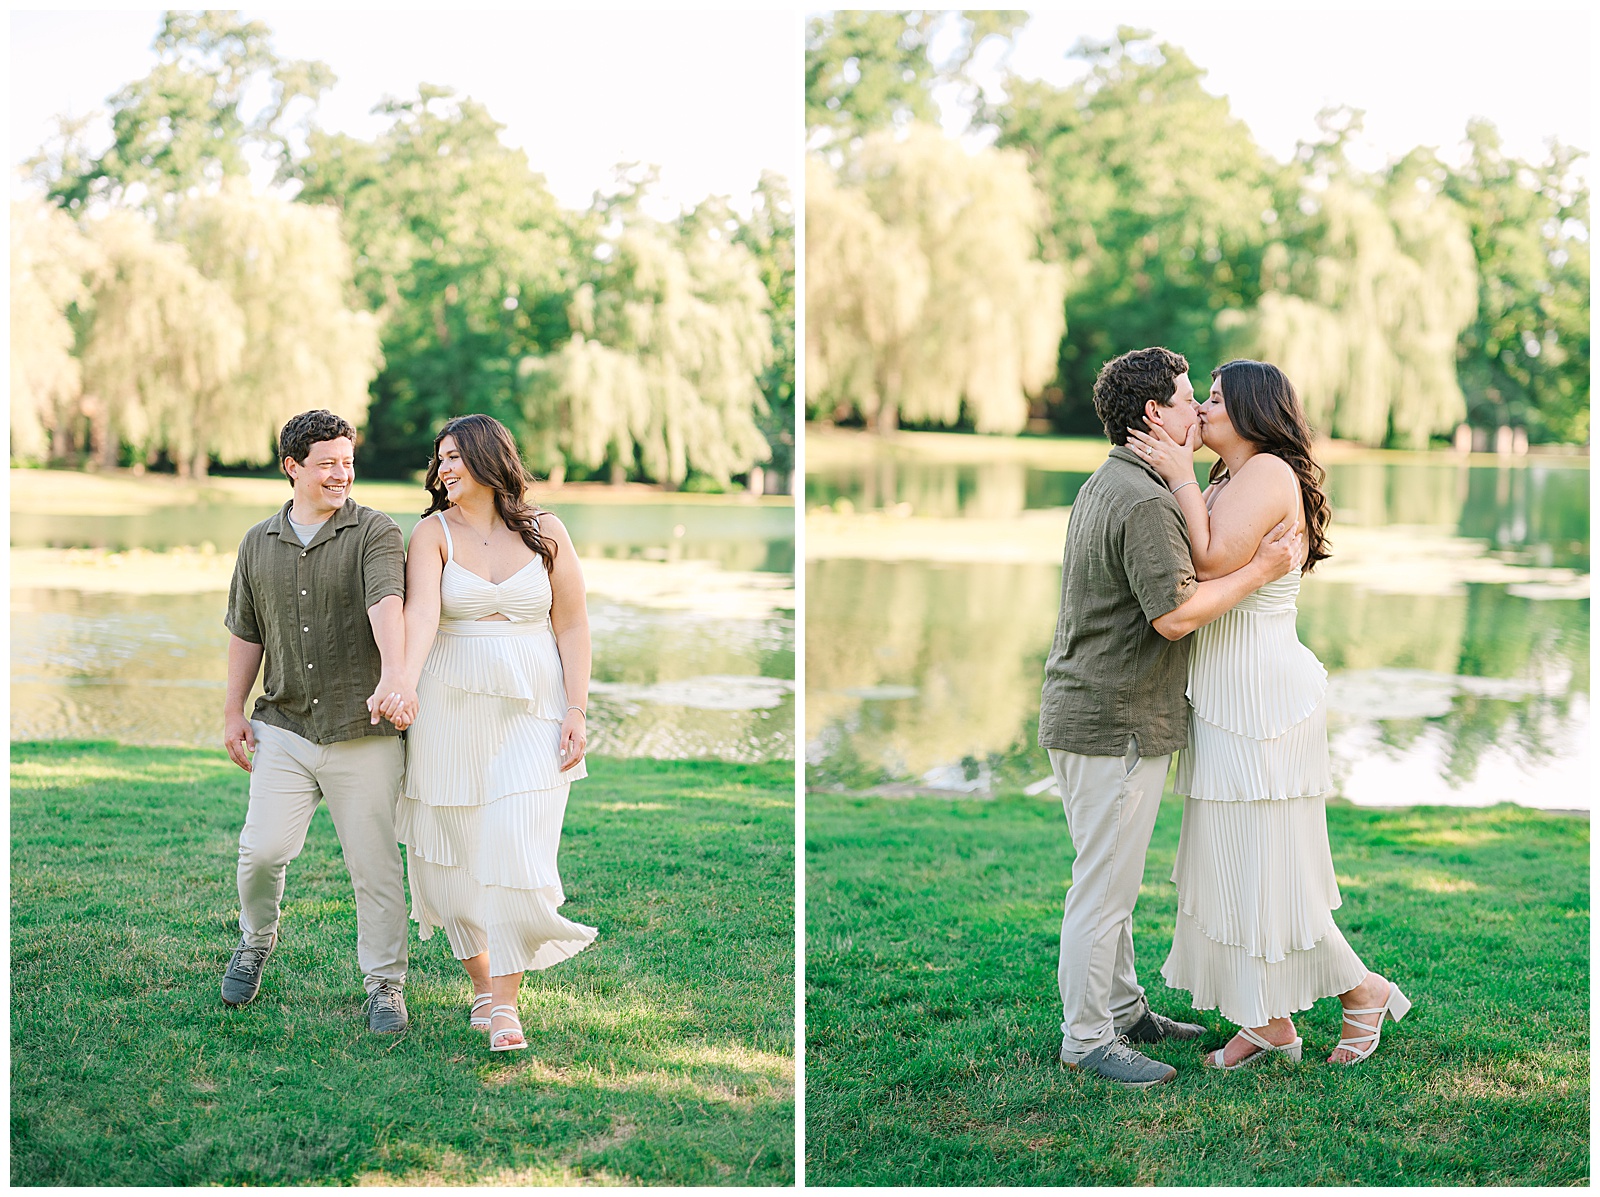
{"points": [[51, 262], [1364, 313], [288, 272], [664, 368], [925, 295], [161, 345]]}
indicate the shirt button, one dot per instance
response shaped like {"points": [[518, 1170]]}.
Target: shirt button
{"points": [[302, 552], [302, 592], [307, 628], [315, 701], [310, 666]]}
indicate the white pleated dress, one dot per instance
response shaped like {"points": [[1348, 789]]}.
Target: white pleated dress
{"points": [[481, 806], [1255, 936]]}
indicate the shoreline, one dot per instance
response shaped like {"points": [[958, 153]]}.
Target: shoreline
{"points": [[122, 492], [840, 448]]}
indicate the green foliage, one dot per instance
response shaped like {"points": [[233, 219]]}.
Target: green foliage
{"points": [[670, 340], [185, 125], [465, 264], [287, 269], [1525, 358], [661, 1055], [161, 344], [924, 292], [462, 252], [869, 70], [1161, 206], [1174, 228], [198, 345], [933, 1021], [769, 236], [51, 262], [1365, 296]]}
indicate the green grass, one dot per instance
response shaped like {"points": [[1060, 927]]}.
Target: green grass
{"points": [[932, 1016], [662, 1055]]}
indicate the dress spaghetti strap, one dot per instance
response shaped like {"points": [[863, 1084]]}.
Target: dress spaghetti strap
{"points": [[449, 545]]}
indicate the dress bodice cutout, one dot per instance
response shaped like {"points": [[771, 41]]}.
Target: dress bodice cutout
{"points": [[464, 597]]}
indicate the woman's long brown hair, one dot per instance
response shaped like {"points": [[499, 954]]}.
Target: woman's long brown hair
{"points": [[490, 455], [1261, 403]]}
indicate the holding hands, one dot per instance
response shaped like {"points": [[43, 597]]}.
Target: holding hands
{"points": [[395, 701], [1173, 460]]}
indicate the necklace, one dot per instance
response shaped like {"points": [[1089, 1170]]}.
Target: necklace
{"points": [[475, 532]]}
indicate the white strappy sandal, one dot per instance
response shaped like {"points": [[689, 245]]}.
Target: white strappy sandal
{"points": [[479, 1022], [494, 1036], [1288, 1050], [1394, 1006]]}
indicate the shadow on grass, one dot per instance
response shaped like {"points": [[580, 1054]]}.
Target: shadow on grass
{"points": [[663, 1054], [933, 1018]]}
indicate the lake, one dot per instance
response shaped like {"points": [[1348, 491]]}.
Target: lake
{"points": [[117, 606], [1453, 619]]}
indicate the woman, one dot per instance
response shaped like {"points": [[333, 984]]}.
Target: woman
{"points": [[1255, 935], [497, 670]]}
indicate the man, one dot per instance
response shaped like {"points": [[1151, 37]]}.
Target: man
{"points": [[318, 592], [1113, 709]]}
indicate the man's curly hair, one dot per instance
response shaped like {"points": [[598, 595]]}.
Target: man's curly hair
{"points": [[1126, 383], [306, 429]]}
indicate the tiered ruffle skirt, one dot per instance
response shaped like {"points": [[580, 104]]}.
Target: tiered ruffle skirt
{"points": [[1255, 936], [483, 800]]}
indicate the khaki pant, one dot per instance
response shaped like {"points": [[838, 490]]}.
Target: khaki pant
{"points": [[360, 779], [1111, 804]]}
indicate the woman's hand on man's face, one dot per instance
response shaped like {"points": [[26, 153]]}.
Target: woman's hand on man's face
{"points": [[1172, 459]]}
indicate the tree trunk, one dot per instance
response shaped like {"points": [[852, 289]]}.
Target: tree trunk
{"points": [[103, 447], [202, 465], [60, 441], [619, 473]]}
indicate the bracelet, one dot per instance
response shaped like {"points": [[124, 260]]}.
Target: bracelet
{"points": [[1181, 485], [580, 711]]}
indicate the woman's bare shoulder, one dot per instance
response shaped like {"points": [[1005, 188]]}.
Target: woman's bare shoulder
{"points": [[1266, 465], [427, 534]]}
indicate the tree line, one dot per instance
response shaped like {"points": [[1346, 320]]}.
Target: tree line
{"points": [[1135, 208], [164, 312]]}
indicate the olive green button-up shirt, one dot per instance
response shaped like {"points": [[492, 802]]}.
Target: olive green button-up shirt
{"points": [[306, 605], [1110, 675]]}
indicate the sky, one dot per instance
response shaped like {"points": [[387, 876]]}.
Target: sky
{"points": [[712, 98], [1419, 74]]}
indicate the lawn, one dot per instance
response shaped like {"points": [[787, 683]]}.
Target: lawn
{"points": [[932, 1016], [662, 1055]]}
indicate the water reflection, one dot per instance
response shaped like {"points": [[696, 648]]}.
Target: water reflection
{"points": [[753, 537], [1444, 687], [691, 607], [1538, 512]]}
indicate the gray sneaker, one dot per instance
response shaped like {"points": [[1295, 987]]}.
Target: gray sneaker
{"points": [[386, 1010], [1116, 1061], [1153, 1028], [242, 979]]}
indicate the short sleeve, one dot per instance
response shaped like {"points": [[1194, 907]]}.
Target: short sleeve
{"points": [[383, 562], [241, 617], [1156, 557]]}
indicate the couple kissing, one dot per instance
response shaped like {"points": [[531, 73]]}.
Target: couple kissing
{"points": [[1177, 635]]}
